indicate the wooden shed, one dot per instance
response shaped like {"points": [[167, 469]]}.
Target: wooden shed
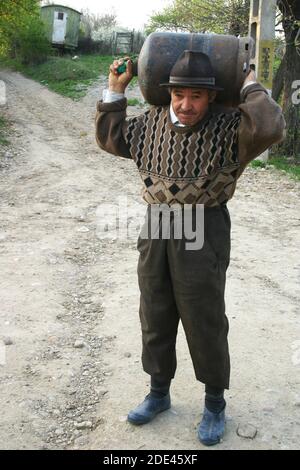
{"points": [[62, 25]]}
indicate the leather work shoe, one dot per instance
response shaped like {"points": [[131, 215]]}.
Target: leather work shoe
{"points": [[212, 427], [147, 410]]}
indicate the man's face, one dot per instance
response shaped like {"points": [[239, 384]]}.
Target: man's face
{"points": [[191, 104]]}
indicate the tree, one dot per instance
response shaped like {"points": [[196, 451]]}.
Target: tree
{"points": [[219, 16], [92, 23], [21, 31], [289, 73]]}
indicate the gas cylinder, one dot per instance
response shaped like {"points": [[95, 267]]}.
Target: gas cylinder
{"points": [[230, 57]]}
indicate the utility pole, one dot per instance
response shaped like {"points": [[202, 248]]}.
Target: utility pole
{"points": [[262, 30]]}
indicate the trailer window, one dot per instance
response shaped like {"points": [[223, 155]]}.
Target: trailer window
{"points": [[60, 16]]}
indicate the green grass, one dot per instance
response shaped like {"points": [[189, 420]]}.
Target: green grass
{"points": [[134, 102], [3, 130], [133, 83], [66, 76], [258, 164], [292, 168], [63, 75]]}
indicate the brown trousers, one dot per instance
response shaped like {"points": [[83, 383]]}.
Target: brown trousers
{"points": [[187, 285]]}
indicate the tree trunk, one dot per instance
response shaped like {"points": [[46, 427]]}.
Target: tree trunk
{"points": [[278, 81], [291, 145], [291, 110]]}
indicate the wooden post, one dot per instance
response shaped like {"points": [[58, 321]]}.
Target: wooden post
{"points": [[262, 30]]}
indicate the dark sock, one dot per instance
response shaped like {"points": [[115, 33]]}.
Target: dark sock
{"points": [[214, 399], [159, 389]]}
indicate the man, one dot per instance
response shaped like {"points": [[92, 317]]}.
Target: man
{"points": [[188, 153]]}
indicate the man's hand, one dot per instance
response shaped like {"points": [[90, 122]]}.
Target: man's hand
{"points": [[118, 82], [251, 77]]}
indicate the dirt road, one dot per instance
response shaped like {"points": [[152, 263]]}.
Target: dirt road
{"points": [[70, 341]]}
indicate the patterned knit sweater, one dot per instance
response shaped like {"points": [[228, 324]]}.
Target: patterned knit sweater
{"points": [[191, 165]]}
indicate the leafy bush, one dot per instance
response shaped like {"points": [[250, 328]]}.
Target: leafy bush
{"points": [[22, 33], [30, 43]]}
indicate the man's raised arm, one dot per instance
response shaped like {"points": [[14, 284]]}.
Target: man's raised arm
{"points": [[262, 122], [110, 118]]}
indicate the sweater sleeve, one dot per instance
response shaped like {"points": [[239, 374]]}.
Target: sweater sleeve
{"points": [[262, 123], [111, 124]]}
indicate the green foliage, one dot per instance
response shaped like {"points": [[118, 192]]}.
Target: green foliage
{"points": [[133, 83], [32, 46], [219, 16], [134, 102], [258, 164], [22, 32], [290, 166]]}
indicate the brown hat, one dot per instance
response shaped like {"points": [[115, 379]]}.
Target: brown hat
{"points": [[192, 70]]}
